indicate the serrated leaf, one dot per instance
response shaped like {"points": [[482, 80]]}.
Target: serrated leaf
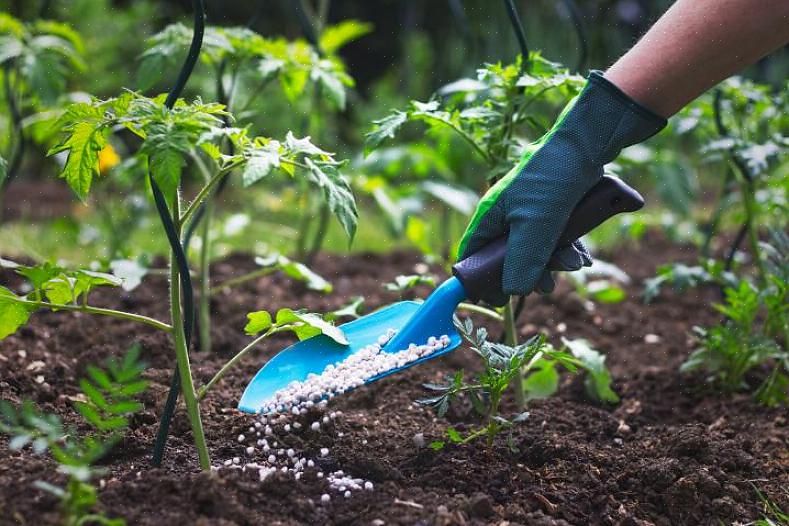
{"points": [[258, 322], [166, 166], [83, 142], [383, 129], [331, 83], [336, 192], [262, 161]]}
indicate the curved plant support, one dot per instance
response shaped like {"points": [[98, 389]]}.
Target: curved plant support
{"points": [[180, 278], [580, 30], [519, 33]]}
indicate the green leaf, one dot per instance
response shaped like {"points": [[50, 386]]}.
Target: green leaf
{"points": [[295, 270], [166, 165], [437, 445], [606, 291], [331, 83], [84, 141], [404, 283], [306, 325], [60, 290], [351, 310], [38, 275], [258, 322], [454, 435], [129, 271], [543, 382], [383, 129], [261, 162], [337, 193], [598, 379], [334, 37], [269, 66], [12, 314]]}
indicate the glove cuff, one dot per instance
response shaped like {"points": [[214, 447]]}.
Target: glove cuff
{"points": [[597, 77], [609, 120]]}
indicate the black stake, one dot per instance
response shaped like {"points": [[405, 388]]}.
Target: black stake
{"points": [[179, 254]]}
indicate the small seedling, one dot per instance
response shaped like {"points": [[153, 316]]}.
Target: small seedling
{"points": [[501, 364], [109, 398]]}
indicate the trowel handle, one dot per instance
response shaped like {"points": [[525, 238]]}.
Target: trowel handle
{"points": [[481, 272]]}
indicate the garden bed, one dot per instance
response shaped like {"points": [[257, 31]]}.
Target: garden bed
{"points": [[671, 452]]}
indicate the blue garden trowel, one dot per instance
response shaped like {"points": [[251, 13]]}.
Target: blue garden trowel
{"points": [[474, 279]]}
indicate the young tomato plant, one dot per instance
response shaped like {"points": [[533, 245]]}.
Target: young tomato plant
{"points": [[494, 117], [501, 365], [36, 60], [109, 398], [754, 333], [241, 62], [167, 136]]}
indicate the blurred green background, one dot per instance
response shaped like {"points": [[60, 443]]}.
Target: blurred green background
{"points": [[414, 48]]}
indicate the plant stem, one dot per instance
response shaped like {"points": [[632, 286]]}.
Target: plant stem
{"points": [[182, 357], [230, 363], [233, 282], [205, 191], [471, 307], [100, 311], [204, 313], [749, 200], [511, 339], [320, 233]]}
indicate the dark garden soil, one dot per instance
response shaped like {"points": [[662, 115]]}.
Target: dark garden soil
{"points": [[672, 452]]}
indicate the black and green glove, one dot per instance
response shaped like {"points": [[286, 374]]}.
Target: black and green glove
{"points": [[532, 203]]}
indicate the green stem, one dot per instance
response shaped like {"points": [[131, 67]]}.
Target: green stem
{"points": [[753, 234], [232, 362], [205, 191], [511, 339], [304, 222], [182, 357], [204, 311], [492, 314], [320, 233], [97, 310], [465, 136], [233, 282]]}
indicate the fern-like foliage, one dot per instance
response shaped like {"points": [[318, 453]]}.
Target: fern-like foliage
{"points": [[108, 399]]}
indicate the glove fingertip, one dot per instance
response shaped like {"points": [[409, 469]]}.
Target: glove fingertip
{"points": [[546, 283]]}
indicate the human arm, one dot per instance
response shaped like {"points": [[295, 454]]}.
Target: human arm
{"points": [[695, 45]]}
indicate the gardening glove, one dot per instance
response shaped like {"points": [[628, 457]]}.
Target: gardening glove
{"points": [[533, 201]]}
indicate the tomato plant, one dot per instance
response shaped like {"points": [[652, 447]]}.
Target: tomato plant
{"points": [[36, 61]]}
